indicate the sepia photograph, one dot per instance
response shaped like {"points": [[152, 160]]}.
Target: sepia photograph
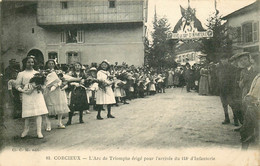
{"points": [[129, 82]]}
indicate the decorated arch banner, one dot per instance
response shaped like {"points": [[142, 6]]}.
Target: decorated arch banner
{"points": [[190, 35]]}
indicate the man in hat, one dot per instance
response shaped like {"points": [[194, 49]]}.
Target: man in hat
{"points": [[247, 75], [250, 128], [188, 76], [228, 76], [248, 72]]}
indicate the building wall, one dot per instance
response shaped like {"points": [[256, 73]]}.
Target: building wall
{"points": [[238, 21], [17, 34], [192, 56], [116, 43], [89, 11]]}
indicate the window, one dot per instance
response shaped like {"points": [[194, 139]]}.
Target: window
{"points": [[72, 36], [64, 5], [112, 4], [256, 31], [250, 32], [63, 37], [238, 36], [53, 55], [247, 32], [80, 36], [73, 57]]}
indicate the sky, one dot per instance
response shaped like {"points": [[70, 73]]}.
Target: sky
{"points": [[171, 9]]}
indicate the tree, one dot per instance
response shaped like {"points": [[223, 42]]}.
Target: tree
{"points": [[160, 51], [220, 44]]}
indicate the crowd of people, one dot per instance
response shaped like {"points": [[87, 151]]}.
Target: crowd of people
{"points": [[51, 91], [239, 86], [56, 90]]}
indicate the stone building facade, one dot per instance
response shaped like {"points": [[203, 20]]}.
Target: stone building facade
{"points": [[244, 25], [86, 31]]}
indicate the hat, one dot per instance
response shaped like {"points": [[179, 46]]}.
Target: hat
{"points": [[105, 61], [92, 69], [187, 64], [31, 56], [54, 60], [239, 55]]}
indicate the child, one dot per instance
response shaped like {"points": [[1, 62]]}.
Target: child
{"points": [[15, 95], [160, 83], [131, 82], [152, 88], [92, 85], [54, 96], [33, 104], [78, 96], [119, 90], [105, 95], [141, 88]]}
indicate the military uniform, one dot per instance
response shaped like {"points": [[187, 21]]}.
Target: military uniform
{"points": [[229, 91]]}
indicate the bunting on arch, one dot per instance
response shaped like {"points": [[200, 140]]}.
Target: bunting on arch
{"points": [[189, 26]]}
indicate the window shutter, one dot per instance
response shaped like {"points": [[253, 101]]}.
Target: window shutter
{"points": [[239, 34], [80, 36], [255, 31], [63, 37]]}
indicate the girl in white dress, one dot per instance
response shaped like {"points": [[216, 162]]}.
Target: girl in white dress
{"points": [[105, 96], [54, 96], [33, 104]]}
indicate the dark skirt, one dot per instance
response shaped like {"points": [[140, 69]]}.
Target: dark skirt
{"points": [[79, 100]]}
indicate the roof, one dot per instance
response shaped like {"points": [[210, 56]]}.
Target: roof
{"points": [[248, 8], [188, 46]]}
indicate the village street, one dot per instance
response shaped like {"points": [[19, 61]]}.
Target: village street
{"points": [[175, 119]]}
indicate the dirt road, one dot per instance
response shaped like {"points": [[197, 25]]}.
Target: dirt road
{"points": [[173, 119]]}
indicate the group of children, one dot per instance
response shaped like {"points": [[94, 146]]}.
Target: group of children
{"points": [[53, 92]]}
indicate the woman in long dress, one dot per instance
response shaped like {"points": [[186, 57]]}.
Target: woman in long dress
{"points": [[176, 78], [105, 95], [33, 104], [54, 96], [170, 78], [204, 84]]}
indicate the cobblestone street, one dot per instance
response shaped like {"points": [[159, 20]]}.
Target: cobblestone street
{"points": [[174, 119]]}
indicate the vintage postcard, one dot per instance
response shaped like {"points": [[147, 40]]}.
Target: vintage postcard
{"points": [[129, 82]]}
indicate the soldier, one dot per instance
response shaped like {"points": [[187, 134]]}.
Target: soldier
{"points": [[229, 91]]}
